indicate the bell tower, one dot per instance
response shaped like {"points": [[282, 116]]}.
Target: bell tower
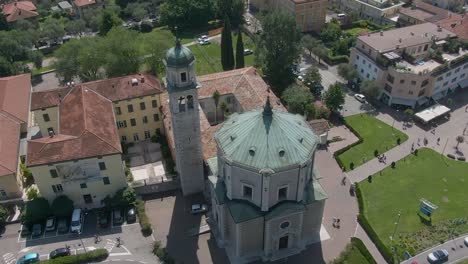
{"points": [[181, 84]]}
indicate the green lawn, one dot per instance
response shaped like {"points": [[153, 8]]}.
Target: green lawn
{"points": [[41, 70], [428, 175], [356, 31], [376, 135], [351, 255]]}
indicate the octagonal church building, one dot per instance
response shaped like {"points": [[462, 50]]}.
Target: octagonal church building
{"points": [[267, 203]]}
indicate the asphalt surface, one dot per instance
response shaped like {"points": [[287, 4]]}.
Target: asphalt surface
{"points": [[457, 251]]}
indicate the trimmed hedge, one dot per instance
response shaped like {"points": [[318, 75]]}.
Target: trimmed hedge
{"points": [[383, 249], [362, 248], [91, 256], [146, 228], [340, 151]]}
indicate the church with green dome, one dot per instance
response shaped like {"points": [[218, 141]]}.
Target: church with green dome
{"points": [[267, 203]]}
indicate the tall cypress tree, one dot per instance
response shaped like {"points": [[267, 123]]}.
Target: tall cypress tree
{"points": [[239, 51], [3, 23], [227, 52]]}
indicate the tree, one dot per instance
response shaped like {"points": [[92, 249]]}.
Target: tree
{"points": [[91, 58], [240, 51], [6, 68], [37, 57], [186, 14], [154, 47], [3, 23], [107, 21], [92, 17], [32, 193], [233, 9], [124, 197], [52, 29], [320, 51], [62, 206], [122, 56], [334, 97], [460, 139], [450, 101], [3, 215], [216, 95], [227, 53], [223, 107], [278, 48], [347, 71], [139, 12], [313, 80], [370, 89], [331, 32], [409, 113], [77, 26], [36, 210], [297, 99], [309, 43]]}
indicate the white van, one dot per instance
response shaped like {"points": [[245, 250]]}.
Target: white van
{"points": [[76, 221]]}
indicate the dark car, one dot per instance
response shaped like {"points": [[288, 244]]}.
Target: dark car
{"points": [[36, 230], [131, 215], [438, 256], [103, 219], [59, 252], [62, 225], [25, 230]]}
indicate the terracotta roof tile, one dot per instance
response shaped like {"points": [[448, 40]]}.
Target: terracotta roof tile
{"points": [[456, 24], [14, 95], [319, 126], [245, 84], [87, 129], [19, 10], [114, 89], [9, 144], [81, 3]]}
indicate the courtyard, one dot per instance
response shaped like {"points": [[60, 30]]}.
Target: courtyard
{"points": [[391, 192], [375, 134]]}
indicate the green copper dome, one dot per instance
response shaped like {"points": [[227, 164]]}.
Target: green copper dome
{"points": [[179, 56], [267, 139]]}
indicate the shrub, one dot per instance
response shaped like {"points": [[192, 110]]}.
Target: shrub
{"points": [[369, 179], [393, 164], [362, 248], [164, 256], [32, 193], [351, 165], [376, 153], [27, 175], [416, 152], [3, 215], [339, 152], [398, 141], [146, 228], [90, 256], [156, 246], [154, 138]]}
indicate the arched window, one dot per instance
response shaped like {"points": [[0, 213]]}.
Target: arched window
{"points": [[284, 225], [181, 104], [190, 102], [183, 77]]}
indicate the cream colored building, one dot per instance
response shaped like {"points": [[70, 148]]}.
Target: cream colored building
{"points": [[15, 92], [136, 100], [400, 60], [82, 158], [309, 14], [378, 11]]}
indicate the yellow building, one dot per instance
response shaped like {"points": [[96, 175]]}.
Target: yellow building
{"points": [[82, 158], [136, 100], [15, 93]]}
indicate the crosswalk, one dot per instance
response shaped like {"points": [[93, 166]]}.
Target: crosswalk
{"points": [[110, 245], [9, 258]]}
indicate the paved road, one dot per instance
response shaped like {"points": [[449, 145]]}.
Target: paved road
{"points": [[456, 248]]}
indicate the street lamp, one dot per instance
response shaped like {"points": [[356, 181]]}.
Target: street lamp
{"points": [[396, 226]]}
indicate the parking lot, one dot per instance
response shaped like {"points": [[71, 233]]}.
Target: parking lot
{"points": [[134, 247]]}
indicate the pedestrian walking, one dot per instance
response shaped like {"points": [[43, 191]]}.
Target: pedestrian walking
{"points": [[438, 141]]}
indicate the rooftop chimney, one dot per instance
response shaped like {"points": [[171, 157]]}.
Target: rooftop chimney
{"points": [[439, 28], [134, 81], [142, 79]]}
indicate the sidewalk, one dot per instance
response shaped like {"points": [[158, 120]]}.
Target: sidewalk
{"points": [[361, 234]]}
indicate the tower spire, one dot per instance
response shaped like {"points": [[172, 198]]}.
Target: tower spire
{"points": [[267, 109], [177, 43]]}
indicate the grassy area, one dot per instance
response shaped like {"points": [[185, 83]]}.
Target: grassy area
{"points": [[356, 31], [428, 175], [375, 134], [41, 70]]}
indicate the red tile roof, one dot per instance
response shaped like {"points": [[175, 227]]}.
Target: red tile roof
{"points": [[14, 111], [80, 3], [19, 10], [114, 89], [9, 144], [87, 129], [456, 24], [14, 95], [245, 84]]}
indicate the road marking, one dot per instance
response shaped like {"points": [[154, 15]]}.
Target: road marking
{"points": [[9, 258], [120, 254]]}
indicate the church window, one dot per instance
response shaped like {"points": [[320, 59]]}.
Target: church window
{"points": [[285, 225], [181, 104], [190, 102], [247, 191], [283, 193], [183, 77]]}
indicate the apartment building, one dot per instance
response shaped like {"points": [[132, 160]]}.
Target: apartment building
{"points": [[403, 61], [382, 12], [309, 14], [421, 12], [136, 101], [15, 92], [82, 158]]}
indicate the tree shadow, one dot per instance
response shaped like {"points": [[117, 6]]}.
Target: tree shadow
{"points": [[424, 219]]}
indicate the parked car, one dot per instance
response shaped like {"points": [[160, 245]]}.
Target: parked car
{"points": [[204, 42], [50, 224], [248, 51], [199, 208], [36, 230], [360, 97], [29, 258], [59, 252], [103, 219], [25, 230], [466, 241], [131, 215], [62, 226], [117, 216], [438, 256]]}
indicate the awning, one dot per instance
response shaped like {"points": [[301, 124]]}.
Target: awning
{"points": [[422, 100], [432, 112], [438, 96], [402, 101], [464, 83], [391, 55]]}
